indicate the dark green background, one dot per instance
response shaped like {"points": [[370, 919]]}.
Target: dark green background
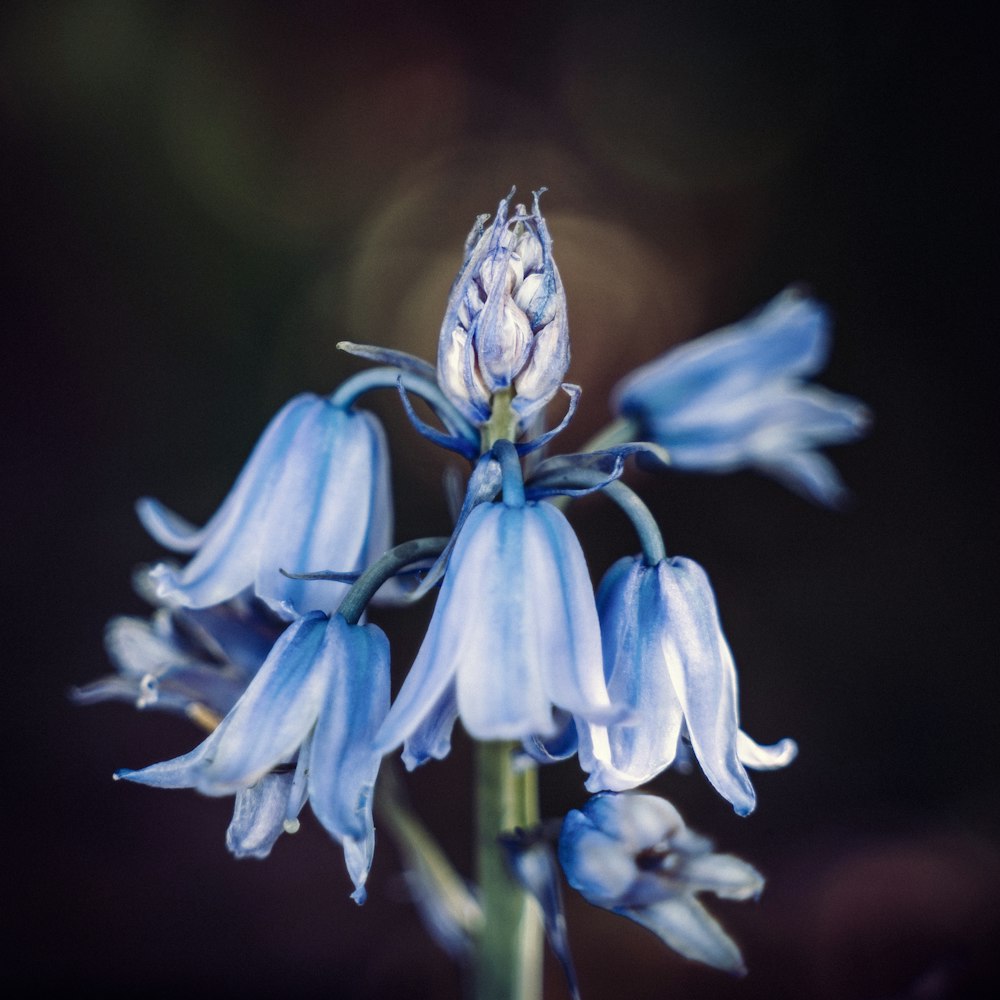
{"points": [[200, 200]]}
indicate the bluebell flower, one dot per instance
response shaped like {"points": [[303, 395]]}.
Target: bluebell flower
{"points": [[505, 327], [314, 494], [632, 854], [738, 397], [513, 635], [303, 728], [668, 665], [185, 661]]}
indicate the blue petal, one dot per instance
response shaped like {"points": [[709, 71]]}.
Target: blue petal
{"points": [[265, 728], [331, 498], [316, 484], [788, 337], [432, 738], [704, 677], [171, 530], [259, 816], [634, 620], [239, 518], [343, 762], [683, 924]]}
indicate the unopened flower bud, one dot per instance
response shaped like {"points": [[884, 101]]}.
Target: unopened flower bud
{"points": [[505, 327]]}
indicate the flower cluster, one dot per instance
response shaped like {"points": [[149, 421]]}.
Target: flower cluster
{"points": [[260, 637]]}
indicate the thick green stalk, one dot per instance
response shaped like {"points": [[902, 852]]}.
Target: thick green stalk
{"points": [[508, 961]]}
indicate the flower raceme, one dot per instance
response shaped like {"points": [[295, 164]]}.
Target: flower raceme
{"points": [[737, 397], [505, 327], [311, 712], [315, 488], [632, 854], [668, 664], [257, 638]]}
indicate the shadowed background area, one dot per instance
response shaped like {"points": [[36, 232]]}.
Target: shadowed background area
{"points": [[202, 199]]}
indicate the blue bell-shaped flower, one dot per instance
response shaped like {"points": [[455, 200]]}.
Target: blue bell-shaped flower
{"points": [[314, 494], [505, 327], [311, 712], [514, 635], [633, 855], [669, 667], [738, 397]]}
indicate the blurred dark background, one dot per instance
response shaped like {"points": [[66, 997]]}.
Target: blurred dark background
{"points": [[201, 199]]}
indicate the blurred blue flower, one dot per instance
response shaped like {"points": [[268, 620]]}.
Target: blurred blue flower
{"points": [[303, 728], [668, 664], [505, 324], [633, 855], [737, 397], [184, 660], [314, 493], [513, 635]]}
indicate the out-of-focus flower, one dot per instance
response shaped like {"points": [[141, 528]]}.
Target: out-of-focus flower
{"points": [[633, 855], [668, 664], [311, 712], [314, 493], [184, 660], [505, 326], [737, 397], [514, 634]]}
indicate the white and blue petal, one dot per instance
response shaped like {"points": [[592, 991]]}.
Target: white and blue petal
{"points": [[343, 762], [670, 669], [264, 729], [515, 629], [315, 489], [260, 816]]}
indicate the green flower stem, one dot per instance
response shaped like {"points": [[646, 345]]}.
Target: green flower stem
{"points": [[508, 960], [508, 956]]}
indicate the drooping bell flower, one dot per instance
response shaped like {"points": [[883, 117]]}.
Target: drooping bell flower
{"points": [[514, 635], [314, 494], [303, 728], [633, 855], [668, 665], [505, 327], [183, 660], [738, 397]]}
